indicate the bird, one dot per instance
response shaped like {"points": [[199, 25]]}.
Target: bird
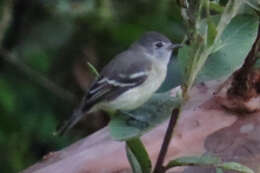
{"points": [[128, 80]]}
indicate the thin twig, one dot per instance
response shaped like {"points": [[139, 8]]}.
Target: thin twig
{"points": [[37, 77], [159, 168]]}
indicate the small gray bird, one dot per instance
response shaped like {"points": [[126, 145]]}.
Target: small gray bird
{"points": [[129, 80]]}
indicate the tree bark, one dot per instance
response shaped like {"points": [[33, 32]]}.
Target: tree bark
{"points": [[204, 127]]}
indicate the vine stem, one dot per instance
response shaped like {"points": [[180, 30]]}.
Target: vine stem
{"points": [[159, 168]]}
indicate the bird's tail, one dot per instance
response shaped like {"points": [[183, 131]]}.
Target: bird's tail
{"points": [[78, 114], [75, 118]]}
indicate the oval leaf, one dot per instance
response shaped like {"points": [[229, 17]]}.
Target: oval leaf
{"points": [[236, 41], [228, 53]]}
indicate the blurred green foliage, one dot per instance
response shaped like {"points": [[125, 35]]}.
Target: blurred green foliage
{"points": [[54, 39]]}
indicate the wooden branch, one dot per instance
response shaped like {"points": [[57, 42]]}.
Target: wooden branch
{"points": [[203, 127]]}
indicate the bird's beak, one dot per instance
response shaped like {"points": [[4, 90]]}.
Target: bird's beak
{"points": [[174, 46]]}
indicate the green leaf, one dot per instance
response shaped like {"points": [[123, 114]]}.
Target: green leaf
{"points": [[233, 166], [124, 126], [208, 160], [228, 53], [138, 156], [214, 6], [136, 167], [236, 42], [184, 60], [194, 160], [93, 69], [219, 170]]}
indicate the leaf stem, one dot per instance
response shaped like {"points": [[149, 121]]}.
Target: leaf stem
{"points": [[159, 168]]}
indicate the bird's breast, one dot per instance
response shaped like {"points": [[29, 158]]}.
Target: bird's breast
{"points": [[137, 96]]}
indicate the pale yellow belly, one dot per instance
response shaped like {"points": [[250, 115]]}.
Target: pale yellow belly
{"points": [[135, 97]]}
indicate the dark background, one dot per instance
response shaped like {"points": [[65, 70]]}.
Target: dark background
{"points": [[45, 47]]}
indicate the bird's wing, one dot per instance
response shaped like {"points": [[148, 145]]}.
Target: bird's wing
{"points": [[116, 79], [109, 88]]}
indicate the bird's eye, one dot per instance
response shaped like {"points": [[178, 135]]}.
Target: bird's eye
{"points": [[159, 44]]}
